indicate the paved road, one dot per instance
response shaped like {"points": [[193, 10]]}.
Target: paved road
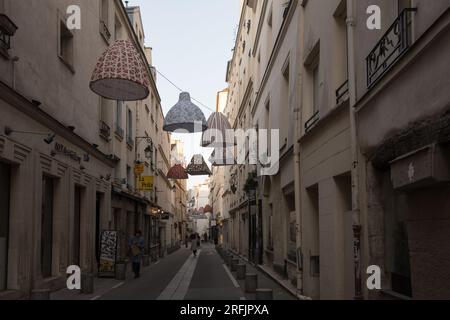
{"points": [[181, 276]]}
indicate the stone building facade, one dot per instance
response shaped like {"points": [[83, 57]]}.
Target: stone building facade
{"points": [[67, 157]]}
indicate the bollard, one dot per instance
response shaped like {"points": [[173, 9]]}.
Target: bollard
{"points": [[145, 260], [229, 259], [264, 294], [241, 271], [234, 263], [121, 271], [42, 294], [251, 282], [87, 283]]}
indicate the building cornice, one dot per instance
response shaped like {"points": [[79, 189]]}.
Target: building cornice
{"points": [[18, 101]]}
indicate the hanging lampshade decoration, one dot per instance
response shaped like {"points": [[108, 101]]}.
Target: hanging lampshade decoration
{"points": [[185, 116], [208, 209], [121, 74], [219, 133], [222, 157], [177, 172], [198, 167]]}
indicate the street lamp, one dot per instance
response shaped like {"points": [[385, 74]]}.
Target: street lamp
{"points": [[148, 152]]}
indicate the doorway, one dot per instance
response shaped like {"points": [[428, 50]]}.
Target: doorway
{"points": [[5, 187], [77, 226]]}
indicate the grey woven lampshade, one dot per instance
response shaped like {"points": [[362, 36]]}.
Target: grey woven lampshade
{"points": [[198, 167], [185, 116], [219, 133]]}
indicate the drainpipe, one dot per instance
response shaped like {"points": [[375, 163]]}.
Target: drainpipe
{"points": [[297, 135], [354, 150]]}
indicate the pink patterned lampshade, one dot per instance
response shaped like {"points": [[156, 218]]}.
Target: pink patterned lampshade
{"points": [[177, 172], [121, 74]]}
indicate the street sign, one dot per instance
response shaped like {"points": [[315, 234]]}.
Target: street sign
{"points": [[139, 169], [146, 183]]}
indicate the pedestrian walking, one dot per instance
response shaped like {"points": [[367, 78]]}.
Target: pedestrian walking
{"points": [[186, 241], [195, 243], [136, 245]]}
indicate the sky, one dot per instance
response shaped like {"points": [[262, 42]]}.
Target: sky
{"points": [[192, 41]]}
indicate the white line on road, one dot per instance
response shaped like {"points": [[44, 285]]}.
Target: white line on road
{"points": [[235, 283], [243, 298], [178, 287], [118, 285], [96, 298]]}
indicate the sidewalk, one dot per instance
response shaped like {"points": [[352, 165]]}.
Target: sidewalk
{"points": [[102, 286], [264, 282]]}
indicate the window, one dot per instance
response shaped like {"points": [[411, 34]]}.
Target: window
{"points": [[117, 29], [129, 127], [129, 178], [316, 86], [118, 129], [285, 111], [65, 45], [47, 227], [104, 20]]}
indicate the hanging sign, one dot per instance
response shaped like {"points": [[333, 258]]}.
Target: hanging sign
{"points": [[108, 254], [145, 183], [139, 169]]}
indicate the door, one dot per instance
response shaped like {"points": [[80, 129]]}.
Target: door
{"points": [[5, 178], [77, 226], [98, 212], [47, 227]]}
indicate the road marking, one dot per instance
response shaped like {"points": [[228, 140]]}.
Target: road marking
{"points": [[243, 298], [178, 287], [157, 262], [235, 283], [96, 298], [118, 285]]}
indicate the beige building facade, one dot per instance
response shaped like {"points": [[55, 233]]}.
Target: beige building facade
{"points": [[67, 157]]}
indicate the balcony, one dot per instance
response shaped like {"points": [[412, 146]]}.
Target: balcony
{"points": [[342, 93], [130, 142], [119, 132], [105, 131], [104, 31], [312, 121], [392, 46]]}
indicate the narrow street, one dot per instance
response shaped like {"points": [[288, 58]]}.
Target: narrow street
{"points": [[179, 276]]}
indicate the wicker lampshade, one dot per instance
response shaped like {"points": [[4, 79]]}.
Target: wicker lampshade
{"points": [[198, 167], [218, 126], [185, 116], [121, 74], [177, 172]]}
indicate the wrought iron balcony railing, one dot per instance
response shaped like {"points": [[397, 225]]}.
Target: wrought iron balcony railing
{"points": [[119, 131], [312, 121], [395, 42], [105, 131], [342, 93]]}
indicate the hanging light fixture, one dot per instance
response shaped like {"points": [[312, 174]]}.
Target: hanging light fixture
{"points": [[198, 167], [177, 172], [219, 133], [208, 209], [185, 116], [121, 74]]}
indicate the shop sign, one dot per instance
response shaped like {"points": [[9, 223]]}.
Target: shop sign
{"points": [[139, 169], [145, 183]]}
